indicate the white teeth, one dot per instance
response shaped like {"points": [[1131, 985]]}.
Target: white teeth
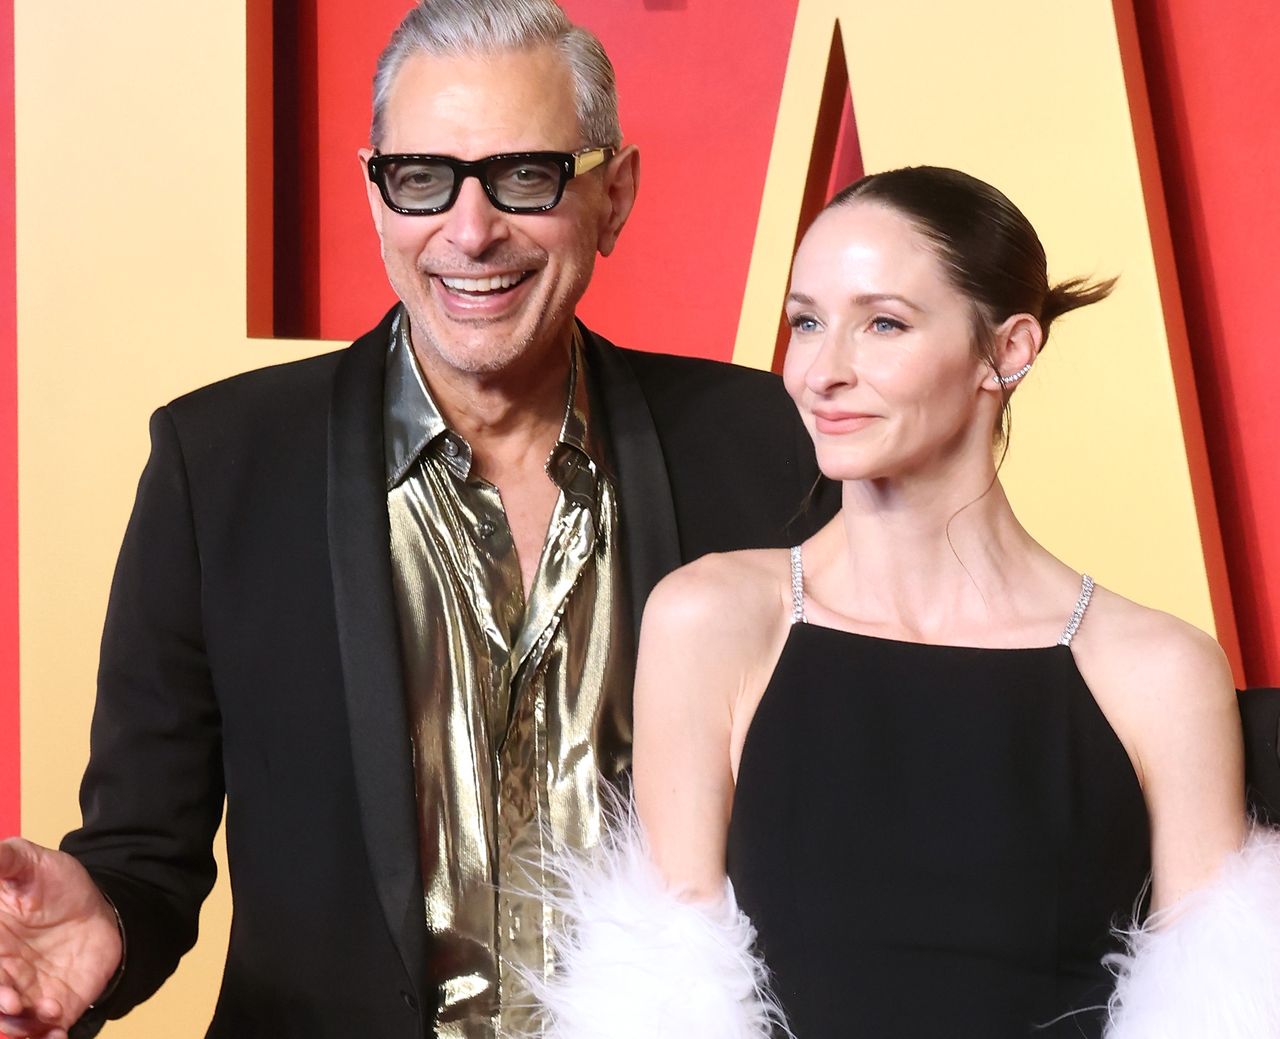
{"points": [[498, 281]]}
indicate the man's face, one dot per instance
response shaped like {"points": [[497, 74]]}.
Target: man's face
{"points": [[487, 291]]}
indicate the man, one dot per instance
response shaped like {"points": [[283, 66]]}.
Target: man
{"points": [[385, 600]]}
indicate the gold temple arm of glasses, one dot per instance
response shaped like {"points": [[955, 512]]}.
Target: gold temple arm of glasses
{"points": [[586, 161]]}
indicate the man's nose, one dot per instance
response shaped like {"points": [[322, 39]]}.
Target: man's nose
{"points": [[472, 224]]}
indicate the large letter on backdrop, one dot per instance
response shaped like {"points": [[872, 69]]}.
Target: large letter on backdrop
{"points": [[133, 281], [1107, 465]]}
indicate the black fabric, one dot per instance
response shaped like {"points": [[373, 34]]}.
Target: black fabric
{"points": [[695, 446], [1260, 715], [251, 649], [935, 841]]}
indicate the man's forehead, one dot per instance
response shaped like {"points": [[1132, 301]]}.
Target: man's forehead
{"points": [[507, 100]]}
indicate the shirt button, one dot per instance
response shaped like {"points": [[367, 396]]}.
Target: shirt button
{"points": [[485, 529], [450, 447]]}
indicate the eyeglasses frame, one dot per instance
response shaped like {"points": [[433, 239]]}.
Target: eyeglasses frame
{"points": [[572, 164]]}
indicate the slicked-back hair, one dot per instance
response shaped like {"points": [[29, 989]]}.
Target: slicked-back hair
{"points": [[449, 28], [988, 248]]}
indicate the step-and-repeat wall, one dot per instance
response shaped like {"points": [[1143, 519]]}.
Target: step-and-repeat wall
{"points": [[180, 201]]}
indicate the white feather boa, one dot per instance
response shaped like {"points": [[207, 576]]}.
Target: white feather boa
{"points": [[635, 961], [1208, 967]]}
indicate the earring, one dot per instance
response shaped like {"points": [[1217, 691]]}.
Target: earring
{"points": [[1009, 380]]}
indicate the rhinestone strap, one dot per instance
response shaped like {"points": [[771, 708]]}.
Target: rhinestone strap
{"points": [[797, 586], [1077, 615]]}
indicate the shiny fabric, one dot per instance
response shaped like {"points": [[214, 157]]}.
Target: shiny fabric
{"points": [[515, 707]]}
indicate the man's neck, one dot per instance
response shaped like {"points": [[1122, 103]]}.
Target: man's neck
{"points": [[510, 418]]}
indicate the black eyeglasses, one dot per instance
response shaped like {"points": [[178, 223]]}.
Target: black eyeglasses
{"points": [[520, 182]]}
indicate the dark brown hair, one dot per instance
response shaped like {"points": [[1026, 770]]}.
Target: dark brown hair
{"points": [[989, 249]]}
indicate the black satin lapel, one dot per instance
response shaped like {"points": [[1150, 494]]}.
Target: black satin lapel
{"points": [[359, 551], [650, 539]]}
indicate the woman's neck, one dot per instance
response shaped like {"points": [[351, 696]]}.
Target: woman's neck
{"points": [[932, 560]]}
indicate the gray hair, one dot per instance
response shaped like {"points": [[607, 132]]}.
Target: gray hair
{"points": [[454, 27]]}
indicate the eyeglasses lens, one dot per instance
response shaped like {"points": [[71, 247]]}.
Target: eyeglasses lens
{"points": [[525, 183], [418, 185], [518, 183]]}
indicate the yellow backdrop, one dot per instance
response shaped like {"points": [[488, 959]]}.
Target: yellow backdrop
{"points": [[131, 284], [1032, 97], [131, 260]]}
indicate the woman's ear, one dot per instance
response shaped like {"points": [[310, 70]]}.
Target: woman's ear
{"points": [[1014, 348]]}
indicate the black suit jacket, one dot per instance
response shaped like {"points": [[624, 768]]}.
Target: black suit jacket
{"points": [[251, 648]]}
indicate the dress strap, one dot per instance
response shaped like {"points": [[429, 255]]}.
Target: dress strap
{"points": [[797, 586], [1077, 615]]}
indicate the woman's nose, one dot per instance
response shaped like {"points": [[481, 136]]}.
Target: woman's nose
{"points": [[832, 366]]}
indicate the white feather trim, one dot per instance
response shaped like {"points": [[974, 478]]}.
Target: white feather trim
{"points": [[1208, 967], [635, 961]]}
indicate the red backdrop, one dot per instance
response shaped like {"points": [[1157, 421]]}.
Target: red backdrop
{"points": [[700, 85], [1215, 88], [703, 114]]}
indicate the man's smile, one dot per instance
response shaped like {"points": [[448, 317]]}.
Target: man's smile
{"points": [[483, 286], [489, 296]]}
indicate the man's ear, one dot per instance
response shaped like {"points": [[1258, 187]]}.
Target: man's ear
{"points": [[621, 182], [1016, 345], [371, 189]]}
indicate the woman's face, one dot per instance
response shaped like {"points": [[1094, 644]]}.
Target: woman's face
{"points": [[881, 361]]}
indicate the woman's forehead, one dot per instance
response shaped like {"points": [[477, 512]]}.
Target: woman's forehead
{"points": [[867, 248]]}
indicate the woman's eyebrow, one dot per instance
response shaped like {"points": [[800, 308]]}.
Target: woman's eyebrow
{"points": [[868, 298], [865, 299]]}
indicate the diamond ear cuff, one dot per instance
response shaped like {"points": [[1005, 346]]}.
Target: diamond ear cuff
{"points": [[1009, 380]]}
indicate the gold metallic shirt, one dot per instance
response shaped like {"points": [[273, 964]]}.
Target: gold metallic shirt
{"points": [[516, 708]]}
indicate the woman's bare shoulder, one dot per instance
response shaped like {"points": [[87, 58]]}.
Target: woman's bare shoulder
{"points": [[1150, 649], [1166, 688], [725, 592], [1164, 684]]}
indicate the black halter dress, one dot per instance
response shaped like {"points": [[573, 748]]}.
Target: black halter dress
{"points": [[934, 842]]}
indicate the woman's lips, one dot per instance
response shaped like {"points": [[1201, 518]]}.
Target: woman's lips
{"points": [[833, 423]]}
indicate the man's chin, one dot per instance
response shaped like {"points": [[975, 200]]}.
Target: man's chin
{"points": [[490, 354]]}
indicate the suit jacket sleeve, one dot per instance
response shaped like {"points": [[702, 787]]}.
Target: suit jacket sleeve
{"points": [[152, 795]]}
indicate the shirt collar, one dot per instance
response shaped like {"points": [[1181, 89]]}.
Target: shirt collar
{"points": [[411, 419], [412, 422], [570, 464]]}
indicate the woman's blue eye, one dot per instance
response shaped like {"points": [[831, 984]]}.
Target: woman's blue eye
{"points": [[803, 323], [887, 324]]}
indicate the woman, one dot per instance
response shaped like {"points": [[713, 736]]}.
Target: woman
{"points": [[937, 763]]}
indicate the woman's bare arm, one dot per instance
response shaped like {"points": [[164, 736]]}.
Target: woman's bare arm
{"points": [[707, 630], [1167, 689], [1193, 760]]}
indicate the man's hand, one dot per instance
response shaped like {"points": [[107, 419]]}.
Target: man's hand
{"points": [[59, 941]]}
